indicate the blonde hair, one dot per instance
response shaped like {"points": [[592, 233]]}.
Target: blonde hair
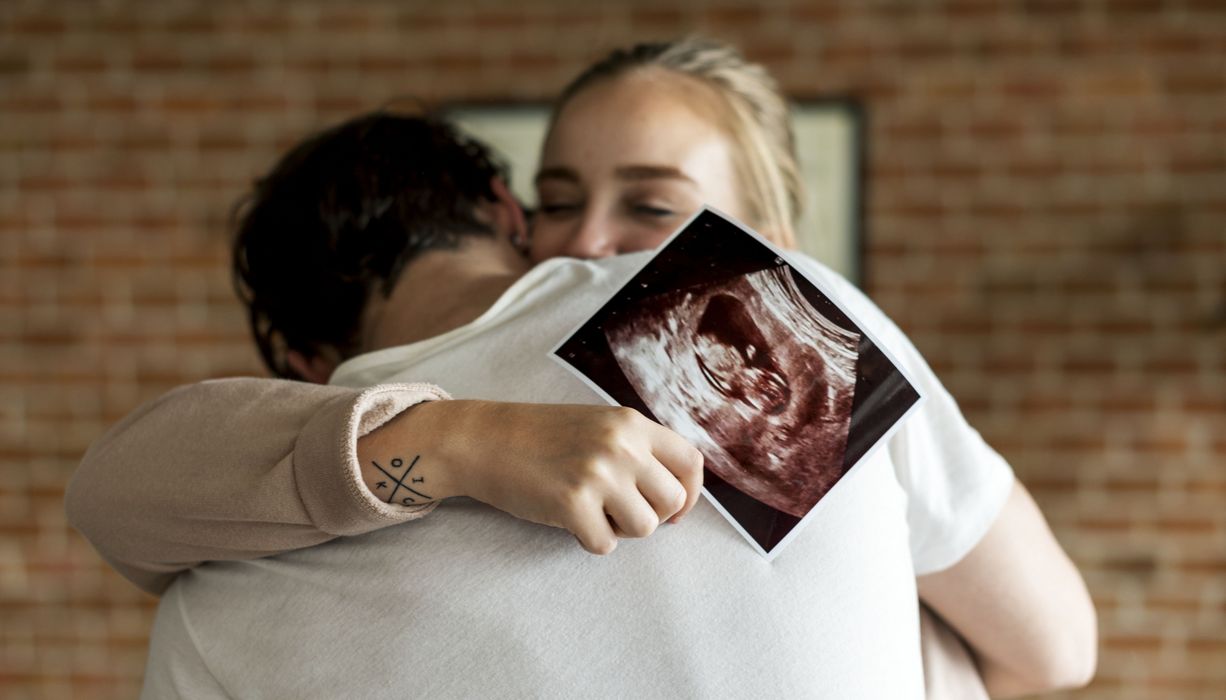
{"points": [[756, 118]]}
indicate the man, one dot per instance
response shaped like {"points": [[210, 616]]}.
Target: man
{"points": [[470, 601]]}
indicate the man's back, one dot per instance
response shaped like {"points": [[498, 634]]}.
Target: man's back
{"points": [[470, 601]]}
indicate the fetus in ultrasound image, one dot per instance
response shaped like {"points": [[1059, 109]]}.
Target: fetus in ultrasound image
{"points": [[746, 369]]}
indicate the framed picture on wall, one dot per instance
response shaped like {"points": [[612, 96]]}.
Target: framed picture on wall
{"points": [[829, 139]]}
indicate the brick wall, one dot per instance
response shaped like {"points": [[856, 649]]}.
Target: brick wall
{"points": [[1046, 217]]}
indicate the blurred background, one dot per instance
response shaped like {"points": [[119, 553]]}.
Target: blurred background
{"points": [[1044, 214]]}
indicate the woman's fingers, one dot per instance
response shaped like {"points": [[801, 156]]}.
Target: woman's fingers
{"points": [[663, 491], [632, 516], [682, 460], [589, 524]]}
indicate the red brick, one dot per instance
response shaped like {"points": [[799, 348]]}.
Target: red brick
{"points": [[1051, 8], [1053, 484], [1135, 7], [578, 18], [1203, 163], [925, 128], [422, 21], [395, 64], [187, 104], [144, 140], [1169, 444], [1209, 486], [1033, 88], [1035, 167], [1172, 365], [1188, 526], [261, 23], [656, 19], [256, 103], [956, 171], [922, 48], [37, 24], [18, 103], [1090, 366], [1105, 524], [191, 24], [1004, 48], [820, 13], [1128, 566], [1009, 364], [222, 142], [80, 63], [771, 54], [45, 183], [499, 21], [1172, 604], [1174, 41], [230, 64], [735, 17], [154, 61], [118, 25], [457, 63], [122, 103], [1210, 404], [1001, 128], [533, 61], [853, 50], [1131, 642], [1207, 645], [347, 20], [1122, 83], [1136, 486], [1160, 125], [1204, 566], [334, 106], [1077, 443], [1045, 403]]}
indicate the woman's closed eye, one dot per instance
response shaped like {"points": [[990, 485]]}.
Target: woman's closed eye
{"points": [[652, 210], [555, 209]]}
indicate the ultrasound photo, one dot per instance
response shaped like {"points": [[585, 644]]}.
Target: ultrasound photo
{"points": [[722, 340], [752, 375]]}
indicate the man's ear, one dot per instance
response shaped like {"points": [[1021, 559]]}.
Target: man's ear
{"points": [[508, 215], [316, 368]]}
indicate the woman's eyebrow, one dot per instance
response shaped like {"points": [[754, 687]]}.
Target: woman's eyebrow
{"points": [[556, 173], [651, 172], [624, 172]]}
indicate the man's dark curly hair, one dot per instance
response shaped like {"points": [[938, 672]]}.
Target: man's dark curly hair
{"points": [[340, 216]]}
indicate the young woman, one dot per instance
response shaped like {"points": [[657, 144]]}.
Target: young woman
{"points": [[638, 143]]}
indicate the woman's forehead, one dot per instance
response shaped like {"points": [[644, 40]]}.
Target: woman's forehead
{"points": [[636, 119]]}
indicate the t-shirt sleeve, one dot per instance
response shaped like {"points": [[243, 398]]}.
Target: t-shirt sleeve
{"points": [[233, 469], [955, 483]]}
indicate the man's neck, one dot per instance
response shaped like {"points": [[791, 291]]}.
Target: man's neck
{"points": [[442, 290]]}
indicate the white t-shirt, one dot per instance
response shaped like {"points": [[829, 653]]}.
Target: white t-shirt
{"points": [[470, 602]]}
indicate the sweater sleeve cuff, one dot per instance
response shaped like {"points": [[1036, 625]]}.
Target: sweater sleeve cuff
{"points": [[326, 464]]}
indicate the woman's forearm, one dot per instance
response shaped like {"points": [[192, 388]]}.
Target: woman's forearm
{"points": [[247, 468], [232, 469], [1020, 604]]}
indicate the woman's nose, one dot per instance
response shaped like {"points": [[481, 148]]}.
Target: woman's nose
{"points": [[592, 239]]}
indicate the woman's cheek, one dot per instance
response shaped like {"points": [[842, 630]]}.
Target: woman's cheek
{"points": [[649, 237], [543, 242]]}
